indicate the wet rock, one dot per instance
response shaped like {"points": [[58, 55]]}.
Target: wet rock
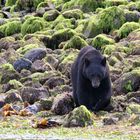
{"points": [[6, 42], [132, 16], [40, 12], [52, 60], [78, 117], [55, 81], [110, 121], [35, 54], [127, 82], [50, 15], [134, 97], [8, 73], [2, 103], [40, 66], [6, 14], [32, 95], [63, 104], [133, 109], [22, 63], [46, 103], [13, 96]]}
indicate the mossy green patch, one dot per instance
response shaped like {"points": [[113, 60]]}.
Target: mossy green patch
{"points": [[16, 84], [11, 28], [101, 40], [127, 28], [61, 36], [75, 13], [26, 48], [10, 2], [133, 108], [84, 5], [76, 42], [111, 18], [109, 3], [32, 25]]}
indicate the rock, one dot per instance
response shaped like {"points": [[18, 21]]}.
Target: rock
{"points": [[55, 81], [110, 121], [51, 15], [13, 96], [6, 14], [7, 73], [22, 63], [35, 54], [40, 12], [32, 95], [133, 109], [127, 82], [134, 97], [2, 103], [78, 117], [40, 66], [46, 103], [75, 42], [63, 104], [74, 13]]}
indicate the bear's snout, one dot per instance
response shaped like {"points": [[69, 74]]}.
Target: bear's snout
{"points": [[95, 82]]}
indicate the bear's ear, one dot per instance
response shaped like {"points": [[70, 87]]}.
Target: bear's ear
{"points": [[86, 62], [103, 61]]}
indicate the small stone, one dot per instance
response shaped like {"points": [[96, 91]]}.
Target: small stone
{"points": [[110, 121]]}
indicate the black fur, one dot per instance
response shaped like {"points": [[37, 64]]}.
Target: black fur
{"points": [[90, 80]]}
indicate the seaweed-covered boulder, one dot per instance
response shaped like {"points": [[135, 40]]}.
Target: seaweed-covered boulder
{"points": [[22, 63], [26, 4], [10, 2], [32, 24], [133, 108], [111, 18], [109, 3], [84, 5], [10, 28], [8, 73], [51, 15], [127, 28], [6, 42], [102, 40], [80, 116], [132, 16], [61, 36], [76, 42], [128, 82], [35, 54], [32, 95], [74, 13], [63, 104]]}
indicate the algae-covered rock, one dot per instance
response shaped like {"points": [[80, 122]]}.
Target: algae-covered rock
{"points": [[109, 3], [26, 4], [63, 104], [127, 28], [10, 28], [6, 42], [8, 73], [60, 36], [128, 82], [80, 116], [102, 40], [32, 25], [84, 5], [111, 18], [50, 15], [75, 13], [133, 108], [75, 42], [15, 84], [10, 2]]}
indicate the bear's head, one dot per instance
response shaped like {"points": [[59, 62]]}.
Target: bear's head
{"points": [[95, 69]]}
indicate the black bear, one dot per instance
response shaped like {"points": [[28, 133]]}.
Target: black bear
{"points": [[90, 80]]}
